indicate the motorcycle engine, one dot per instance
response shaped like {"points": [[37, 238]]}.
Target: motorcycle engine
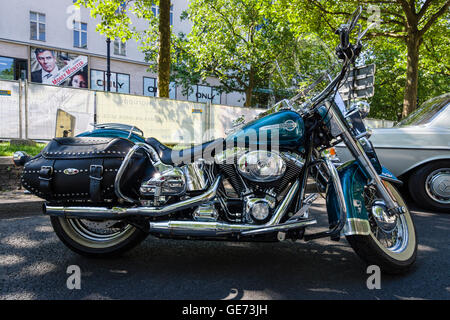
{"points": [[261, 177]]}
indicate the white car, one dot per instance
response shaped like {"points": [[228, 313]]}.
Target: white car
{"points": [[417, 151]]}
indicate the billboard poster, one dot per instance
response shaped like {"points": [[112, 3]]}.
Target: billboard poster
{"points": [[58, 68]]}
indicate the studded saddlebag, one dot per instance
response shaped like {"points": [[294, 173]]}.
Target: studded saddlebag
{"points": [[84, 168]]}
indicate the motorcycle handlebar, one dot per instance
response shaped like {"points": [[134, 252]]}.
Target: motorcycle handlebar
{"points": [[344, 32], [354, 19]]}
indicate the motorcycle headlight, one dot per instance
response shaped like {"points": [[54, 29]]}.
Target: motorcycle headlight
{"points": [[363, 107]]}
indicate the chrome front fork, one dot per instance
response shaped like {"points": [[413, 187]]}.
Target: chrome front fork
{"points": [[358, 152]]}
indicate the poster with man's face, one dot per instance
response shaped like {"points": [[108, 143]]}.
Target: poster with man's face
{"points": [[58, 68]]}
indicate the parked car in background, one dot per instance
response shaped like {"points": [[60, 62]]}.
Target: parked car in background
{"points": [[417, 150]]}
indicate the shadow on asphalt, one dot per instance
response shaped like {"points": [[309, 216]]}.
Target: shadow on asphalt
{"points": [[34, 262]]}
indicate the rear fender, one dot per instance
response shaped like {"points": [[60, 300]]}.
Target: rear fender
{"points": [[113, 133]]}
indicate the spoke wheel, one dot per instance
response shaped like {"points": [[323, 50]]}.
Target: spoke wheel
{"points": [[97, 238], [392, 242]]}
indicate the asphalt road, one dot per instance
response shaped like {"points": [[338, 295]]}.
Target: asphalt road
{"points": [[33, 265]]}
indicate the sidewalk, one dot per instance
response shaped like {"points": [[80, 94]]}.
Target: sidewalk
{"points": [[16, 203]]}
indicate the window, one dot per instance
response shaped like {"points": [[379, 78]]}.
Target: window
{"points": [[204, 94], [119, 82], [151, 88], [13, 69], [155, 10], [120, 48], [80, 34], [37, 26]]}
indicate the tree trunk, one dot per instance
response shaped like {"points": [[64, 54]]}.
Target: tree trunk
{"points": [[249, 89], [412, 74], [164, 49]]}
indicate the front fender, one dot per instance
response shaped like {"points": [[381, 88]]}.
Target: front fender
{"points": [[353, 181]]}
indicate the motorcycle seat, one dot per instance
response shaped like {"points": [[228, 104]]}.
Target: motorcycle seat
{"points": [[172, 157]]}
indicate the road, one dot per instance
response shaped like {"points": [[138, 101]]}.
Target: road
{"points": [[33, 265]]}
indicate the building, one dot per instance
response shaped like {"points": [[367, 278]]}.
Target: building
{"points": [[54, 42]]}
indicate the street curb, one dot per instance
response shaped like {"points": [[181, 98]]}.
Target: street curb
{"points": [[6, 160], [20, 209]]}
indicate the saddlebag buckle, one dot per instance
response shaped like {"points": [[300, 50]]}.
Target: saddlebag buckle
{"points": [[95, 176]]}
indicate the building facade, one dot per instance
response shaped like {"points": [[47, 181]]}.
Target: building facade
{"points": [[53, 42]]}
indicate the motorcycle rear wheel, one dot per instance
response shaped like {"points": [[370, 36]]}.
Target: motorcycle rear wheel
{"points": [[397, 252], [97, 239]]}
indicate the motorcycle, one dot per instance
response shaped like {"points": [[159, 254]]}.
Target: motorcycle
{"points": [[108, 189]]}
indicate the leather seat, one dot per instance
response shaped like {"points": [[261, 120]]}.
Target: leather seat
{"points": [[168, 156]]}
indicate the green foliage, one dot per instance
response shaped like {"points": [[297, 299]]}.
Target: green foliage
{"points": [[8, 150], [236, 42], [385, 45]]}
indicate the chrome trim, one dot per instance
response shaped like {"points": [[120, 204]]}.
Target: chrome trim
{"points": [[437, 185], [20, 158], [338, 188], [252, 164], [195, 174], [356, 226], [280, 227], [121, 212], [154, 158], [358, 152], [212, 229], [341, 201]]}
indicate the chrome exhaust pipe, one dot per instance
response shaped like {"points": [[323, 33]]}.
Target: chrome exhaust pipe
{"points": [[122, 212], [215, 229]]}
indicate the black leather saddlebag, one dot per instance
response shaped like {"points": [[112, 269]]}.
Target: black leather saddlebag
{"points": [[85, 168]]}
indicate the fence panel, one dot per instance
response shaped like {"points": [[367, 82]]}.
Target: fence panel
{"points": [[44, 101], [222, 117], [170, 121], [379, 123], [9, 109]]}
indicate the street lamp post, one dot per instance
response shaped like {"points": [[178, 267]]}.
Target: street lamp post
{"points": [[108, 64]]}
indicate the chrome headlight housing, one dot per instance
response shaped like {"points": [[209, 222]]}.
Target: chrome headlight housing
{"points": [[261, 166], [363, 107]]}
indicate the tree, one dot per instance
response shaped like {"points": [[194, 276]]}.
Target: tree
{"points": [[117, 24], [407, 21], [236, 42]]}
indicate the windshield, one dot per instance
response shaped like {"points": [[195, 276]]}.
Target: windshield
{"points": [[426, 112], [306, 66]]}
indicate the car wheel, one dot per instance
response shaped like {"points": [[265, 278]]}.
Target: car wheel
{"points": [[430, 186]]}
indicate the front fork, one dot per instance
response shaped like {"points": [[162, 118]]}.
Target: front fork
{"points": [[358, 152]]}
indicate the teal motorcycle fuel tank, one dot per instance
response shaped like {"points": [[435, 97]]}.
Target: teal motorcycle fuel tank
{"points": [[284, 129]]}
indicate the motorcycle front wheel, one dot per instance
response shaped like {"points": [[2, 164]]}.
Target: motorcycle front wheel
{"points": [[97, 238], [392, 242]]}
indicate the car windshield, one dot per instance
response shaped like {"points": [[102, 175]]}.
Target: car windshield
{"points": [[426, 112]]}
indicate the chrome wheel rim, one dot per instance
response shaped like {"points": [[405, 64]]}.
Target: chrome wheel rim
{"points": [[97, 234], [437, 185], [398, 241], [102, 231]]}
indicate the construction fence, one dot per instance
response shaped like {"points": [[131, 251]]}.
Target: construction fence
{"points": [[41, 112]]}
